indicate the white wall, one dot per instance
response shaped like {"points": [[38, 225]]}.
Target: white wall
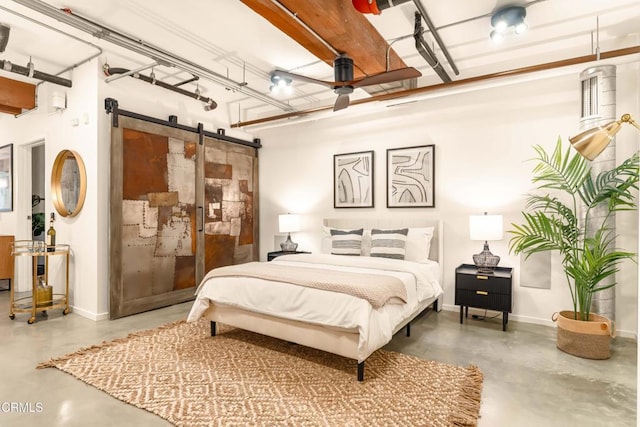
{"points": [[483, 139]]}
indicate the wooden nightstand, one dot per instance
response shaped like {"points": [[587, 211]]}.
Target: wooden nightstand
{"points": [[491, 291], [272, 255]]}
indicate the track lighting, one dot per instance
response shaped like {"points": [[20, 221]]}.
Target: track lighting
{"points": [[505, 18], [280, 84]]}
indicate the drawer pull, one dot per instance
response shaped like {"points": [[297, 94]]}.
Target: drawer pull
{"points": [[482, 277], [482, 292]]}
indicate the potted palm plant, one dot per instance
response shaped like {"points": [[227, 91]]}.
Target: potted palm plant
{"points": [[552, 222]]}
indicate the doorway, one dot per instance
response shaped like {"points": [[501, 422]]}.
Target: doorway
{"points": [[38, 206]]}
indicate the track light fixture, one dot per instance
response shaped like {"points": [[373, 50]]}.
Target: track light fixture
{"points": [[506, 18], [280, 84]]}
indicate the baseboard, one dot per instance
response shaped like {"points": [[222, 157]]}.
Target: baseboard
{"points": [[538, 321], [89, 314]]}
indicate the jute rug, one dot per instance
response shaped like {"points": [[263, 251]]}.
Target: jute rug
{"points": [[239, 378]]}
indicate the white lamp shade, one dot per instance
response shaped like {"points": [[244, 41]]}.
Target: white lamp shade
{"points": [[485, 227], [288, 223]]}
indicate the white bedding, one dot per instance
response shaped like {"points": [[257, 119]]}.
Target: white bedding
{"points": [[375, 326]]}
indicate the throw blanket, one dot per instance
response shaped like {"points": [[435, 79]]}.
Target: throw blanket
{"points": [[378, 289]]}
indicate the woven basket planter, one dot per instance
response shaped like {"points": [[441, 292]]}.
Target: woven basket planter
{"points": [[588, 339]]}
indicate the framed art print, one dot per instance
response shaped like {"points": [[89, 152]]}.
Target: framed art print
{"points": [[353, 180], [410, 177], [6, 178]]}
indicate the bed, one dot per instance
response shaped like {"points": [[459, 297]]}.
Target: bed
{"points": [[347, 324]]}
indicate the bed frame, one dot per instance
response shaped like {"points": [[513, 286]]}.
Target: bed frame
{"points": [[340, 341]]}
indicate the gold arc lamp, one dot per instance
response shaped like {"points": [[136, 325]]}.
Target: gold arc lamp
{"points": [[485, 227], [592, 142]]}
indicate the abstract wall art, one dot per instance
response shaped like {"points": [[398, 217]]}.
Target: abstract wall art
{"points": [[410, 177], [353, 180]]}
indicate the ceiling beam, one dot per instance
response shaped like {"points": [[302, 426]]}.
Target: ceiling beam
{"points": [[337, 23], [16, 96]]}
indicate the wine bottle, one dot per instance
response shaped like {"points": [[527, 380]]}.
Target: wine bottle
{"points": [[51, 236]]}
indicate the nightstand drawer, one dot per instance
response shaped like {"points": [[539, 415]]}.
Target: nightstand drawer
{"points": [[483, 282], [491, 291], [483, 299]]}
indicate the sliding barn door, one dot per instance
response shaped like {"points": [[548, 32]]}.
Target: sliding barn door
{"points": [[230, 204], [182, 203]]}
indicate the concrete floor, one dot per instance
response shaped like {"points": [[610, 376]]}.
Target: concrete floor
{"points": [[528, 382]]}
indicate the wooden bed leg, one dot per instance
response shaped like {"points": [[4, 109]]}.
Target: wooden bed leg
{"points": [[213, 328], [361, 371], [409, 329], [435, 305]]}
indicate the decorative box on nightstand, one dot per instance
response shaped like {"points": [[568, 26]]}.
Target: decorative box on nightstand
{"points": [[491, 291], [272, 255]]}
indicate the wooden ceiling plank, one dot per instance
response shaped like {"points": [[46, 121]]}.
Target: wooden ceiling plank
{"points": [[339, 24], [16, 95], [348, 31], [289, 26]]}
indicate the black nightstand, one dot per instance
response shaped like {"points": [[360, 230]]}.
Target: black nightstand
{"points": [[272, 255], [492, 291]]}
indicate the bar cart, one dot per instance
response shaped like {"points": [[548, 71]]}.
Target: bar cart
{"points": [[40, 301]]}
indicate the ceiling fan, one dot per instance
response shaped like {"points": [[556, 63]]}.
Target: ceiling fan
{"points": [[345, 84]]}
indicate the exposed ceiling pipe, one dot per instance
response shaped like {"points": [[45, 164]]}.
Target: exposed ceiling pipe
{"points": [[441, 86], [436, 36], [32, 73], [377, 6], [426, 52], [146, 49], [210, 104]]}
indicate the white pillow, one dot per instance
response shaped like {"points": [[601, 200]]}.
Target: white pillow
{"points": [[388, 243], [418, 244], [346, 242]]}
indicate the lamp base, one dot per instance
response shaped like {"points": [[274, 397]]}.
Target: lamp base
{"points": [[485, 261], [288, 245]]}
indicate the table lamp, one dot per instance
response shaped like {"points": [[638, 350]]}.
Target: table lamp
{"points": [[485, 227], [288, 223]]}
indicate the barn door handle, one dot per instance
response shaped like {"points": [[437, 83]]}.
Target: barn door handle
{"points": [[201, 227]]}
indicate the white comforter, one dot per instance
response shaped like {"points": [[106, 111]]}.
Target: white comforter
{"points": [[332, 309]]}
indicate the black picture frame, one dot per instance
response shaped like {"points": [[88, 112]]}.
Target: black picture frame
{"points": [[353, 180], [6, 178], [411, 177]]}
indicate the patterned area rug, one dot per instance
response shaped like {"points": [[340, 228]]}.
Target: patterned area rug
{"points": [[239, 378]]}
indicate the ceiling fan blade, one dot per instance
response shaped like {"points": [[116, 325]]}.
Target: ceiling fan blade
{"points": [[388, 77], [342, 102], [298, 77]]}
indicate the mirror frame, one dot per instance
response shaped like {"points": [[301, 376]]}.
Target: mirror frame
{"points": [[56, 183]]}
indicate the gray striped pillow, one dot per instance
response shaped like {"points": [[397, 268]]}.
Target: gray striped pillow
{"points": [[388, 243], [346, 242]]}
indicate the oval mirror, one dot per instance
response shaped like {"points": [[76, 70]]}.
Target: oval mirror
{"points": [[68, 183]]}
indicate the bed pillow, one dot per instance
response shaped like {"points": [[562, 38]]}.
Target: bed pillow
{"points": [[388, 243], [346, 242], [418, 244]]}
